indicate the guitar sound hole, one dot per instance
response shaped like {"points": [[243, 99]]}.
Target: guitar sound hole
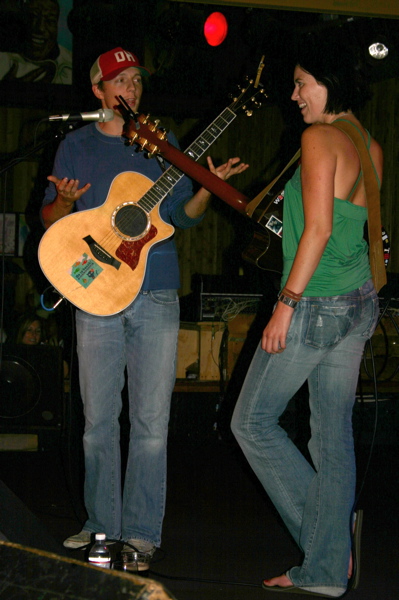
{"points": [[130, 221]]}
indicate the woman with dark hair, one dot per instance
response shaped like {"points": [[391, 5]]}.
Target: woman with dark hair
{"points": [[30, 330], [326, 310]]}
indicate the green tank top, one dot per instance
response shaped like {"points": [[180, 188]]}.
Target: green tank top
{"points": [[344, 265]]}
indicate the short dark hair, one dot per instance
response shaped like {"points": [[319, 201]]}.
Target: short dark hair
{"points": [[338, 66]]}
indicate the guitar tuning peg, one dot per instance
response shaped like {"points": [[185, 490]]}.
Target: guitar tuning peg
{"points": [[153, 153], [249, 113], [131, 140]]}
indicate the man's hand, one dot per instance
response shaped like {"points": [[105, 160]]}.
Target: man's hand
{"points": [[199, 202], [68, 192], [228, 169], [68, 189]]}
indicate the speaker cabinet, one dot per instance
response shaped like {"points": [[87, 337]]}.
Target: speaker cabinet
{"points": [[31, 388], [30, 573]]}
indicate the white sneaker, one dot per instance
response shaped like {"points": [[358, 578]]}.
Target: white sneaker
{"points": [[134, 544], [81, 539], [137, 554]]}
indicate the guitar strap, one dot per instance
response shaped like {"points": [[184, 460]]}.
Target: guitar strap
{"points": [[251, 206], [376, 251]]}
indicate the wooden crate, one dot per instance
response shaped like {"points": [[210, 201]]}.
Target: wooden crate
{"points": [[198, 350], [199, 346]]}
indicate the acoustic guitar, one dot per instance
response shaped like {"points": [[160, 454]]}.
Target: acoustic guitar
{"points": [[97, 258]]}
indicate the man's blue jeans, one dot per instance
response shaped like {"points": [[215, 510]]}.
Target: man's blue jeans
{"points": [[324, 346], [142, 338]]}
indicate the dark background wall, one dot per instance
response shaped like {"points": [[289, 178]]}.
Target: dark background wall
{"points": [[191, 84]]}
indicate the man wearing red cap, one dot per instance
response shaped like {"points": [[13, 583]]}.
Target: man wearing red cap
{"points": [[142, 337]]}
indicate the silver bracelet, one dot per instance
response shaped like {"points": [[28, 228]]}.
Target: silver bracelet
{"points": [[287, 300]]}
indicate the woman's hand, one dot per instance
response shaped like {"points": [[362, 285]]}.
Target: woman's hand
{"points": [[275, 333]]}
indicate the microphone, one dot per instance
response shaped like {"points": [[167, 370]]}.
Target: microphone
{"points": [[101, 115]]}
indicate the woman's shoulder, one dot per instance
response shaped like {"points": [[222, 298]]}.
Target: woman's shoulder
{"points": [[319, 140], [324, 135], [318, 133]]}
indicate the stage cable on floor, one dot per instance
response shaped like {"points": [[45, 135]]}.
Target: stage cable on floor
{"points": [[199, 580]]}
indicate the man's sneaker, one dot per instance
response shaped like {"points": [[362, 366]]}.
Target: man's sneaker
{"points": [[79, 540], [137, 554], [82, 539]]}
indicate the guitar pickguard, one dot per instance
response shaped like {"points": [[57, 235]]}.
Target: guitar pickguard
{"points": [[130, 252]]}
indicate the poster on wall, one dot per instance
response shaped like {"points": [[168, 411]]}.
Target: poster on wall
{"points": [[42, 52], [14, 231], [8, 234]]}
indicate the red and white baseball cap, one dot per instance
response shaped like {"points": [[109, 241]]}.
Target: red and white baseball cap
{"points": [[109, 64]]}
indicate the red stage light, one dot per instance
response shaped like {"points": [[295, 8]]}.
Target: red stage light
{"points": [[215, 29]]}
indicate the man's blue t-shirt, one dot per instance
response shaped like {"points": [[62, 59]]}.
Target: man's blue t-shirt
{"points": [[92, 156]]}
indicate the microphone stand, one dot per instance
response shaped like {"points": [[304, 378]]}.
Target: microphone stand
{"points": [[60, 134]]}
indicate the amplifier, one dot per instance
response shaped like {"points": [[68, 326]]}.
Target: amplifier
{"points": [[222, 307]]}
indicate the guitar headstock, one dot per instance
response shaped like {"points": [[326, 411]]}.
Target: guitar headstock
{"points": [[251, 94], [147, 135], [140, 130], [249, 98]]}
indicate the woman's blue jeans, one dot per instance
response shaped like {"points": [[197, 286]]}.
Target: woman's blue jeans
{"points": [[142, 338], [324, 346]]}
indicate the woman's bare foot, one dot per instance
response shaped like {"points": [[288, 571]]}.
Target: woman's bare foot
{"points": [[281, 581]]}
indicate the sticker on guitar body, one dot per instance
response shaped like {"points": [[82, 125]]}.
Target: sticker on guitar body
{"points": [[85, 270], [275, 224]]}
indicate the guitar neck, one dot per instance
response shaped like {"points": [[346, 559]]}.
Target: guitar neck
{"points": [[185, 163]]}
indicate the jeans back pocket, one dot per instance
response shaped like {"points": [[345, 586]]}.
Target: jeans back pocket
{"points": [[328, 325]]}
